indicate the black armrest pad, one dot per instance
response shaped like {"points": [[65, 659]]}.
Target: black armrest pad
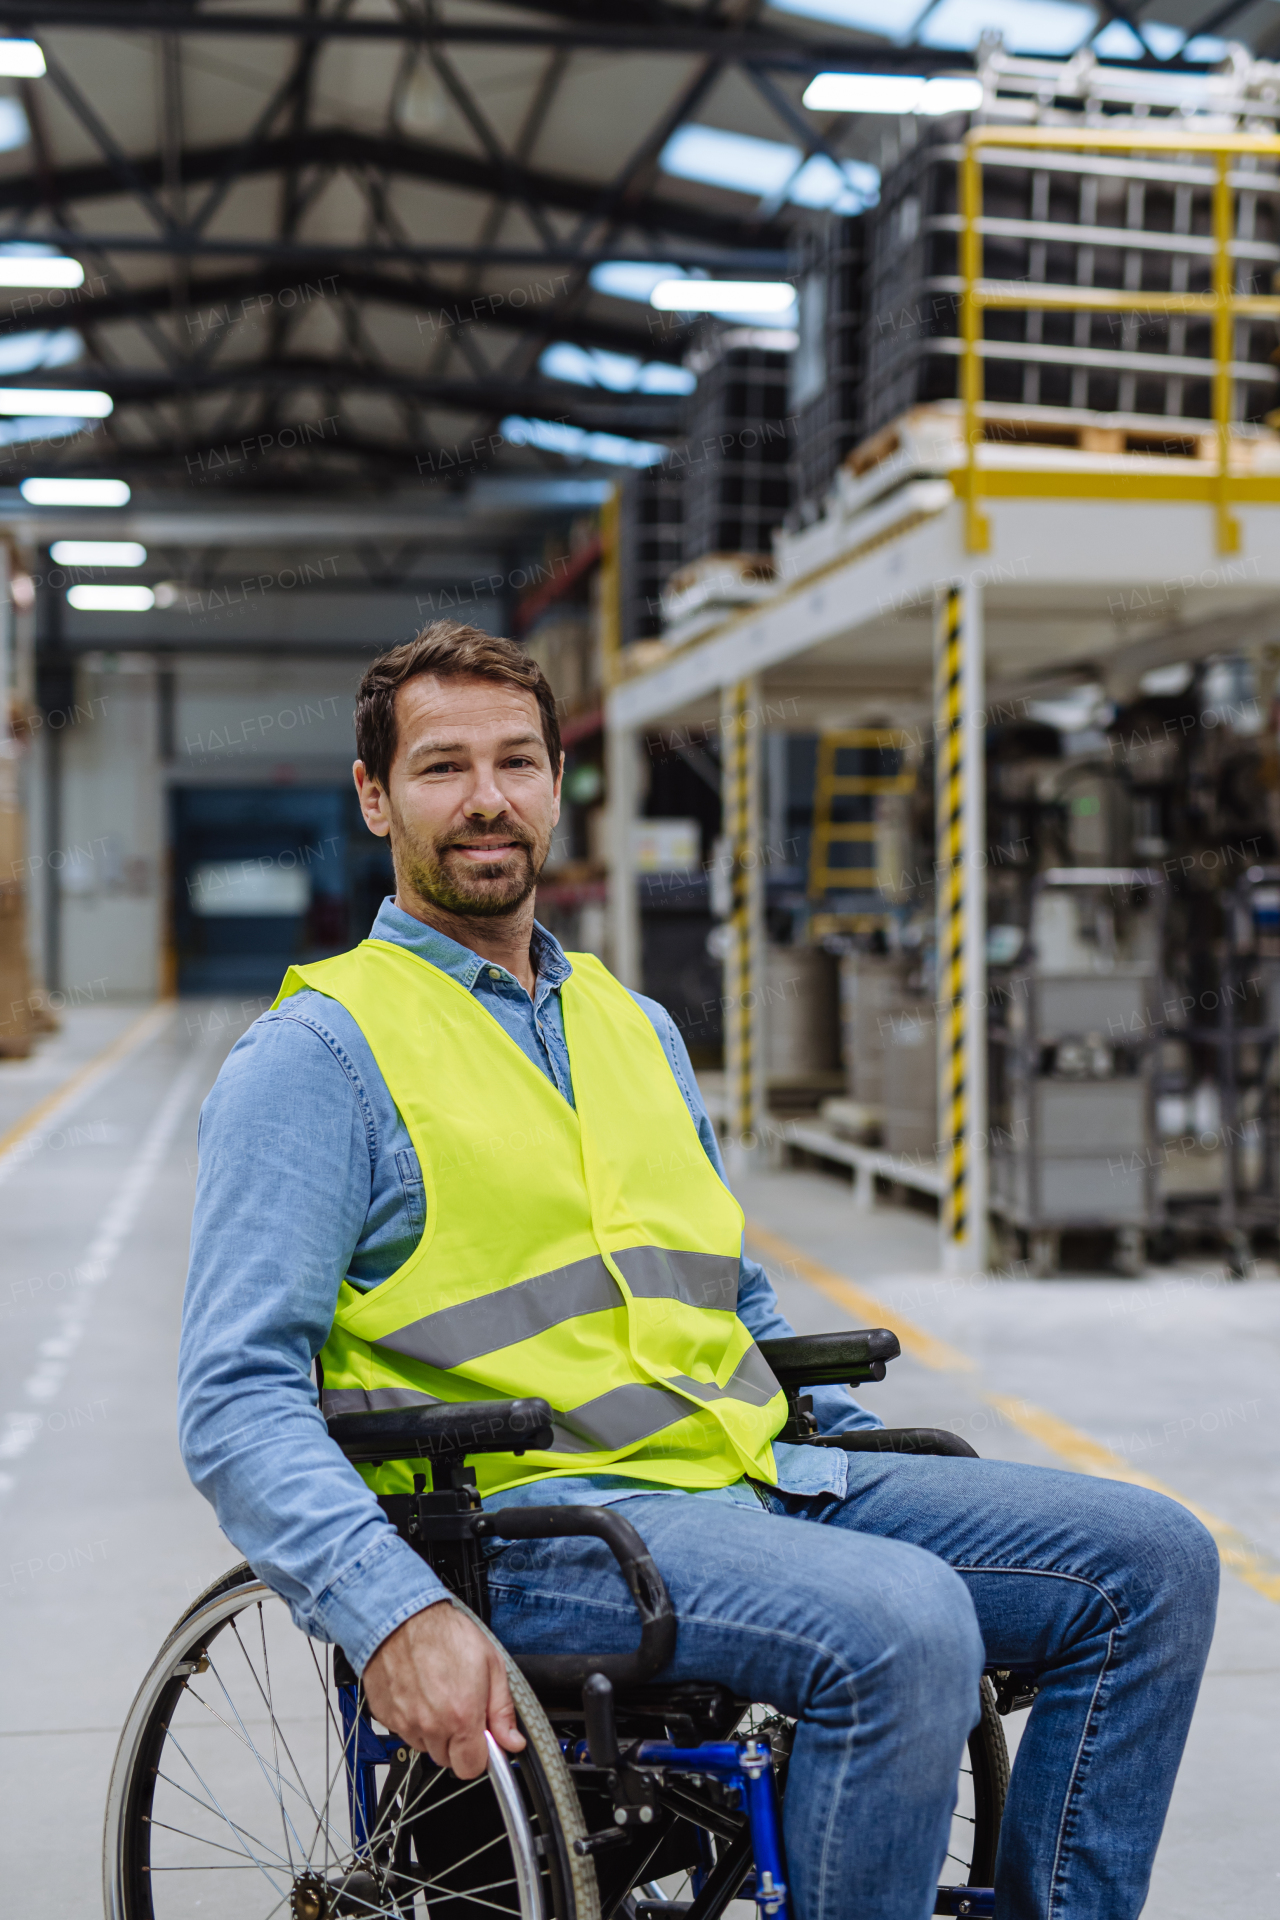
{"points": [[831, 1359], [898, 1440], [429, 1433]]}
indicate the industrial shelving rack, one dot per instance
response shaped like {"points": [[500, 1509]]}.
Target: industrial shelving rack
{"points": [[1132, 221]]}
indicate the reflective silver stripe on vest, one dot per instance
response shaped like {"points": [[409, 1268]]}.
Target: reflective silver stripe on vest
{"points": [[617, 1419], [752, 1380], [699, 1279], [456, 1335], [632, 1413], [373, 1399]]}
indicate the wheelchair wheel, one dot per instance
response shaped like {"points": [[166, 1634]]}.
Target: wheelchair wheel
{"points": [[231, 1795], [983, 1787]]}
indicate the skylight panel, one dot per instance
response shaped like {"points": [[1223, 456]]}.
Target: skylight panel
{"points": [[743, 163], [1028, 26], [23, 352], [619, 372], [14, 131], [892, 18], [846, 189], [739, 161], [556, 436], [1118, 41]]}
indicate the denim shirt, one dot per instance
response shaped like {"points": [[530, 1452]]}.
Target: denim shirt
{"points": [[308, 1177]]}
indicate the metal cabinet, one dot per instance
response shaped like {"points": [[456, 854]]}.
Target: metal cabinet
{"points": [[1073, 1136]]}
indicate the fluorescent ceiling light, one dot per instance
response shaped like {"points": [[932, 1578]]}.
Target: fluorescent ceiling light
{"points": [[98, 553], [864, 92], [629, 279], [1028, 26], [84, 400], [741, 163], [620, 372], [554, 436], [892, 93], [24, 352], [723, 296], [39, 270], [111, 599], [14, 130], [21, 60], [75, 493]]}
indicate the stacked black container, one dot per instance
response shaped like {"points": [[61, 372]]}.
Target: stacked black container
{"points": [[825, 389], [736, 461], [1138, 222], [652, 542]]}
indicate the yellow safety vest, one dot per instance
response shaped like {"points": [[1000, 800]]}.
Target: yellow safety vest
{"points": [[589, 1256]]}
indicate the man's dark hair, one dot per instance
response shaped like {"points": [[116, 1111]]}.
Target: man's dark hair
{"points": [[450, 651]]}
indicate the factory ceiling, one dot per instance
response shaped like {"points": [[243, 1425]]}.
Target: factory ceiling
{"points": [[328, 245]]}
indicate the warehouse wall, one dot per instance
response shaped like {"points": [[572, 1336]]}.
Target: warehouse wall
{"points": [[95, 849], [100, 778]]}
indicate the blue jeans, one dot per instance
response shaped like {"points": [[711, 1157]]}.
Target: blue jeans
{"points": [[870, 1620]]}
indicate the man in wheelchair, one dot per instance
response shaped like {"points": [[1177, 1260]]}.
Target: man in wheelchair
{"points": [[471, 1179]]}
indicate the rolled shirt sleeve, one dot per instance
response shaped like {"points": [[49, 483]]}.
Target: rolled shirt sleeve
{"points": [[281, 1200]]}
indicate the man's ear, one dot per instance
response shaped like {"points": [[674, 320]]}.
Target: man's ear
{"points": [[373, 801]]}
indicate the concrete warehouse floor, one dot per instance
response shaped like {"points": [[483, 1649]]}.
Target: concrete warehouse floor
{"points": [[1173, 1377]]}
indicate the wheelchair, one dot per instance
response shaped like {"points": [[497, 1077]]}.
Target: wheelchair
{"points": [[250, 1780]]}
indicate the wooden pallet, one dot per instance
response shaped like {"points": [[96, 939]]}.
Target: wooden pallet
{"points": [[1062, 427]]}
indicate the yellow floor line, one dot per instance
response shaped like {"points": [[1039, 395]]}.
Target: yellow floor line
{"points": [[1075, 1449], [134, 1035], [863, 1306]]}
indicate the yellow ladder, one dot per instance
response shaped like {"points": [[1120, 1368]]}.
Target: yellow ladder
{"points": [[829, 786]]}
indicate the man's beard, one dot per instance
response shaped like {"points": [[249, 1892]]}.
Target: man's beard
{"points": [[450, 881]]}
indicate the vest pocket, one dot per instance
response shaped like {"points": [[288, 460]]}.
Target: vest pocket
{"points": [[415, 1199]]}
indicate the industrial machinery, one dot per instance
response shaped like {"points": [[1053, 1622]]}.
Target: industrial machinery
{"points": [[1231, 1038], [1073, 1144]]}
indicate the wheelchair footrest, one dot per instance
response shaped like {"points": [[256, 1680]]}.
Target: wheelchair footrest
{"points": [[976, 1903]]}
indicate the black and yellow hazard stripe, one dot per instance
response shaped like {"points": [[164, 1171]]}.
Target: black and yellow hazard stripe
{"points": [[952, 775]]}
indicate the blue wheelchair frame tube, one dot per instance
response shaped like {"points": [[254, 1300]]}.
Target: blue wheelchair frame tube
{"points": [[748, 1766], [362, 1751]]}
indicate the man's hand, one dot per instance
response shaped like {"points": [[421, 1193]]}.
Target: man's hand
{"points": [[438, 1682]]}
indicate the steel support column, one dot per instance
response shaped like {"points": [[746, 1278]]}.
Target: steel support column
{"points": [[960, 778], [622, 776], [744, 949]]}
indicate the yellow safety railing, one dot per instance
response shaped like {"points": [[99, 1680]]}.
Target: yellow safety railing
{"points": [[1222, 302], [828, 832]]}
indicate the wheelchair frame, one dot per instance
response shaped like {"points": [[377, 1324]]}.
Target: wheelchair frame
{"points": [[448, 1526]]}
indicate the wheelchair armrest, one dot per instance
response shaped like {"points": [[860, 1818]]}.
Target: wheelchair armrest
{"points": [[442, 1429], [898, 1440], [647, 1587], [831, 1359]]}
